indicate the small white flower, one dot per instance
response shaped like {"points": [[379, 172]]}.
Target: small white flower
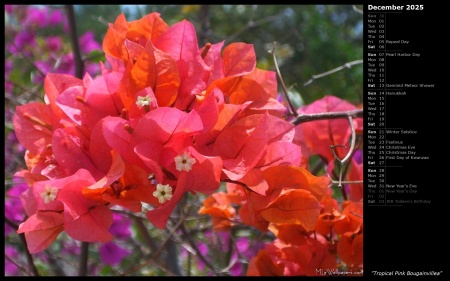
{"points": [[184, 162], [163, 192], [49, 193], [144, 101]]}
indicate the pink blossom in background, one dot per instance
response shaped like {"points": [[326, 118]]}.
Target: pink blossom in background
{"points": [[44, 67], [10, 268], [62, 64], [120, 227], [8, 85], [13, 148], [242, 250], [47, 53], [203, 248], [14, 210], [88, 44], [246, 250], [56, 17], [70, 247], [9, 9], [358, 156], [8, 68], [42, 17], [54, 43], [37, 16], [112, 254], [23, 42]]}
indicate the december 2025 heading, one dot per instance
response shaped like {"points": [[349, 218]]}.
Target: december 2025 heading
{"points": [[414, 7]]}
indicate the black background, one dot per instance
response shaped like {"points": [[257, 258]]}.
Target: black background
{"points": [[413, 237]]}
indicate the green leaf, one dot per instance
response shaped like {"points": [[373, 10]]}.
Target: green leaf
{"points": [[106, 271], [95, 56]]}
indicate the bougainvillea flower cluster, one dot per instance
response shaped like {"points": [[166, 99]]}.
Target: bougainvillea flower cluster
{"points": [[164, 118]]}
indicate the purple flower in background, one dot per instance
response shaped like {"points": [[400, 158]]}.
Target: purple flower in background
{"points": [[237, 269], [88, 44], [13, 207], [10, 268], [14, 151], [120, 227], [53, 43], [63, 64], [92, 68], [56, 17], [247, 251], [8, 85], [243, 249], [46, 52], [9, 9], [44, 67], [37, 16], [220, 238], [224, 238], [358, 156], [112, 254], [23, 40], [203, 248], [66, 26], [219, 243], [280, 97], [70, 247], [8, 67]]}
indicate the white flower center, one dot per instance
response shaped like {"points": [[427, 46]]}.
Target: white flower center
{"points": [[49, 193], [163, 192], [144, 101], [184, 162]]}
